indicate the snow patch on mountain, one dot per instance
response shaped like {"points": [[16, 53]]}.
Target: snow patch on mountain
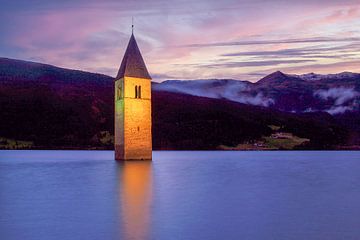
{"points": [[317, 77]]}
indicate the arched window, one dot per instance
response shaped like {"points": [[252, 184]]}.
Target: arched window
{"points": [[137, 91]]}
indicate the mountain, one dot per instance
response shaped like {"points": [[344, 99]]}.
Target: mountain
{"points": [[334, 93], [47, 107]]}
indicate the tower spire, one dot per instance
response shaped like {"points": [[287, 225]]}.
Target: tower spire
{"points": [[133, 64]]}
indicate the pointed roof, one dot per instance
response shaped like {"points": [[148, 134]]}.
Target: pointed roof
{"points": [[133, 64]]}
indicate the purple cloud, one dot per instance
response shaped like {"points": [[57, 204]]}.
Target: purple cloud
{"points": [[270, 42], [92, 34]]}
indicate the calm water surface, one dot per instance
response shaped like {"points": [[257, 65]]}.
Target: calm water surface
{"points": [[179, 195]]}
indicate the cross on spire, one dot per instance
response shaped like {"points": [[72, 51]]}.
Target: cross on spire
{"points": [[132, 25]]}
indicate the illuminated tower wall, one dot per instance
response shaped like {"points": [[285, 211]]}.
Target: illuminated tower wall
{"points": [[133, 138]]}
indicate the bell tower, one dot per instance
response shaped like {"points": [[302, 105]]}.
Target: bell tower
{"points": [[133, 138]]}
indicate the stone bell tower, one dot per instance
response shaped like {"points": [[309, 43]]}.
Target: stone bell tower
{"points": [[133, 138]]}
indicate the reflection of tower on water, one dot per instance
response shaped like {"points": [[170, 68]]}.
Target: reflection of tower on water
{"points": [[135, 198]]}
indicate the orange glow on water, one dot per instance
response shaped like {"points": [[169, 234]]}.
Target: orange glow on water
{"points": [[136, 182]]}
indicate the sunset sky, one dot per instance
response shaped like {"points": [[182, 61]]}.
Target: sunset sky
{"points": [[240, 39]]}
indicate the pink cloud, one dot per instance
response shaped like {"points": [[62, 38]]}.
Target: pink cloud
{"points": [[335, 16], [67, 27], [93, 36]]}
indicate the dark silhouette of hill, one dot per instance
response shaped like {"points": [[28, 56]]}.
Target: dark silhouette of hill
{"points": [[188, 122], [55, 108]]}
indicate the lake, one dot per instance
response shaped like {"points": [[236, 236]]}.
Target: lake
{"points": [[180, 195]]}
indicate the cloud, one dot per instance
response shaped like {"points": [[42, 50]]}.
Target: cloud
{"points": [[259, 100], [281, 41], [337, 16], [161, 76], [340, 95], [74, 39], [233, 90], [345, 50], [338, 109], [253, 63], [344, 99], [92, 34]]}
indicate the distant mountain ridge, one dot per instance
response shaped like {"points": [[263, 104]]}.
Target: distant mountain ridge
{"points": [[333, 93], [316, 77], [43, 106]]}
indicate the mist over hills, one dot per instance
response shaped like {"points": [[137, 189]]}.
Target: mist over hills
{"points": [[333, 93], [43, 106]]}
